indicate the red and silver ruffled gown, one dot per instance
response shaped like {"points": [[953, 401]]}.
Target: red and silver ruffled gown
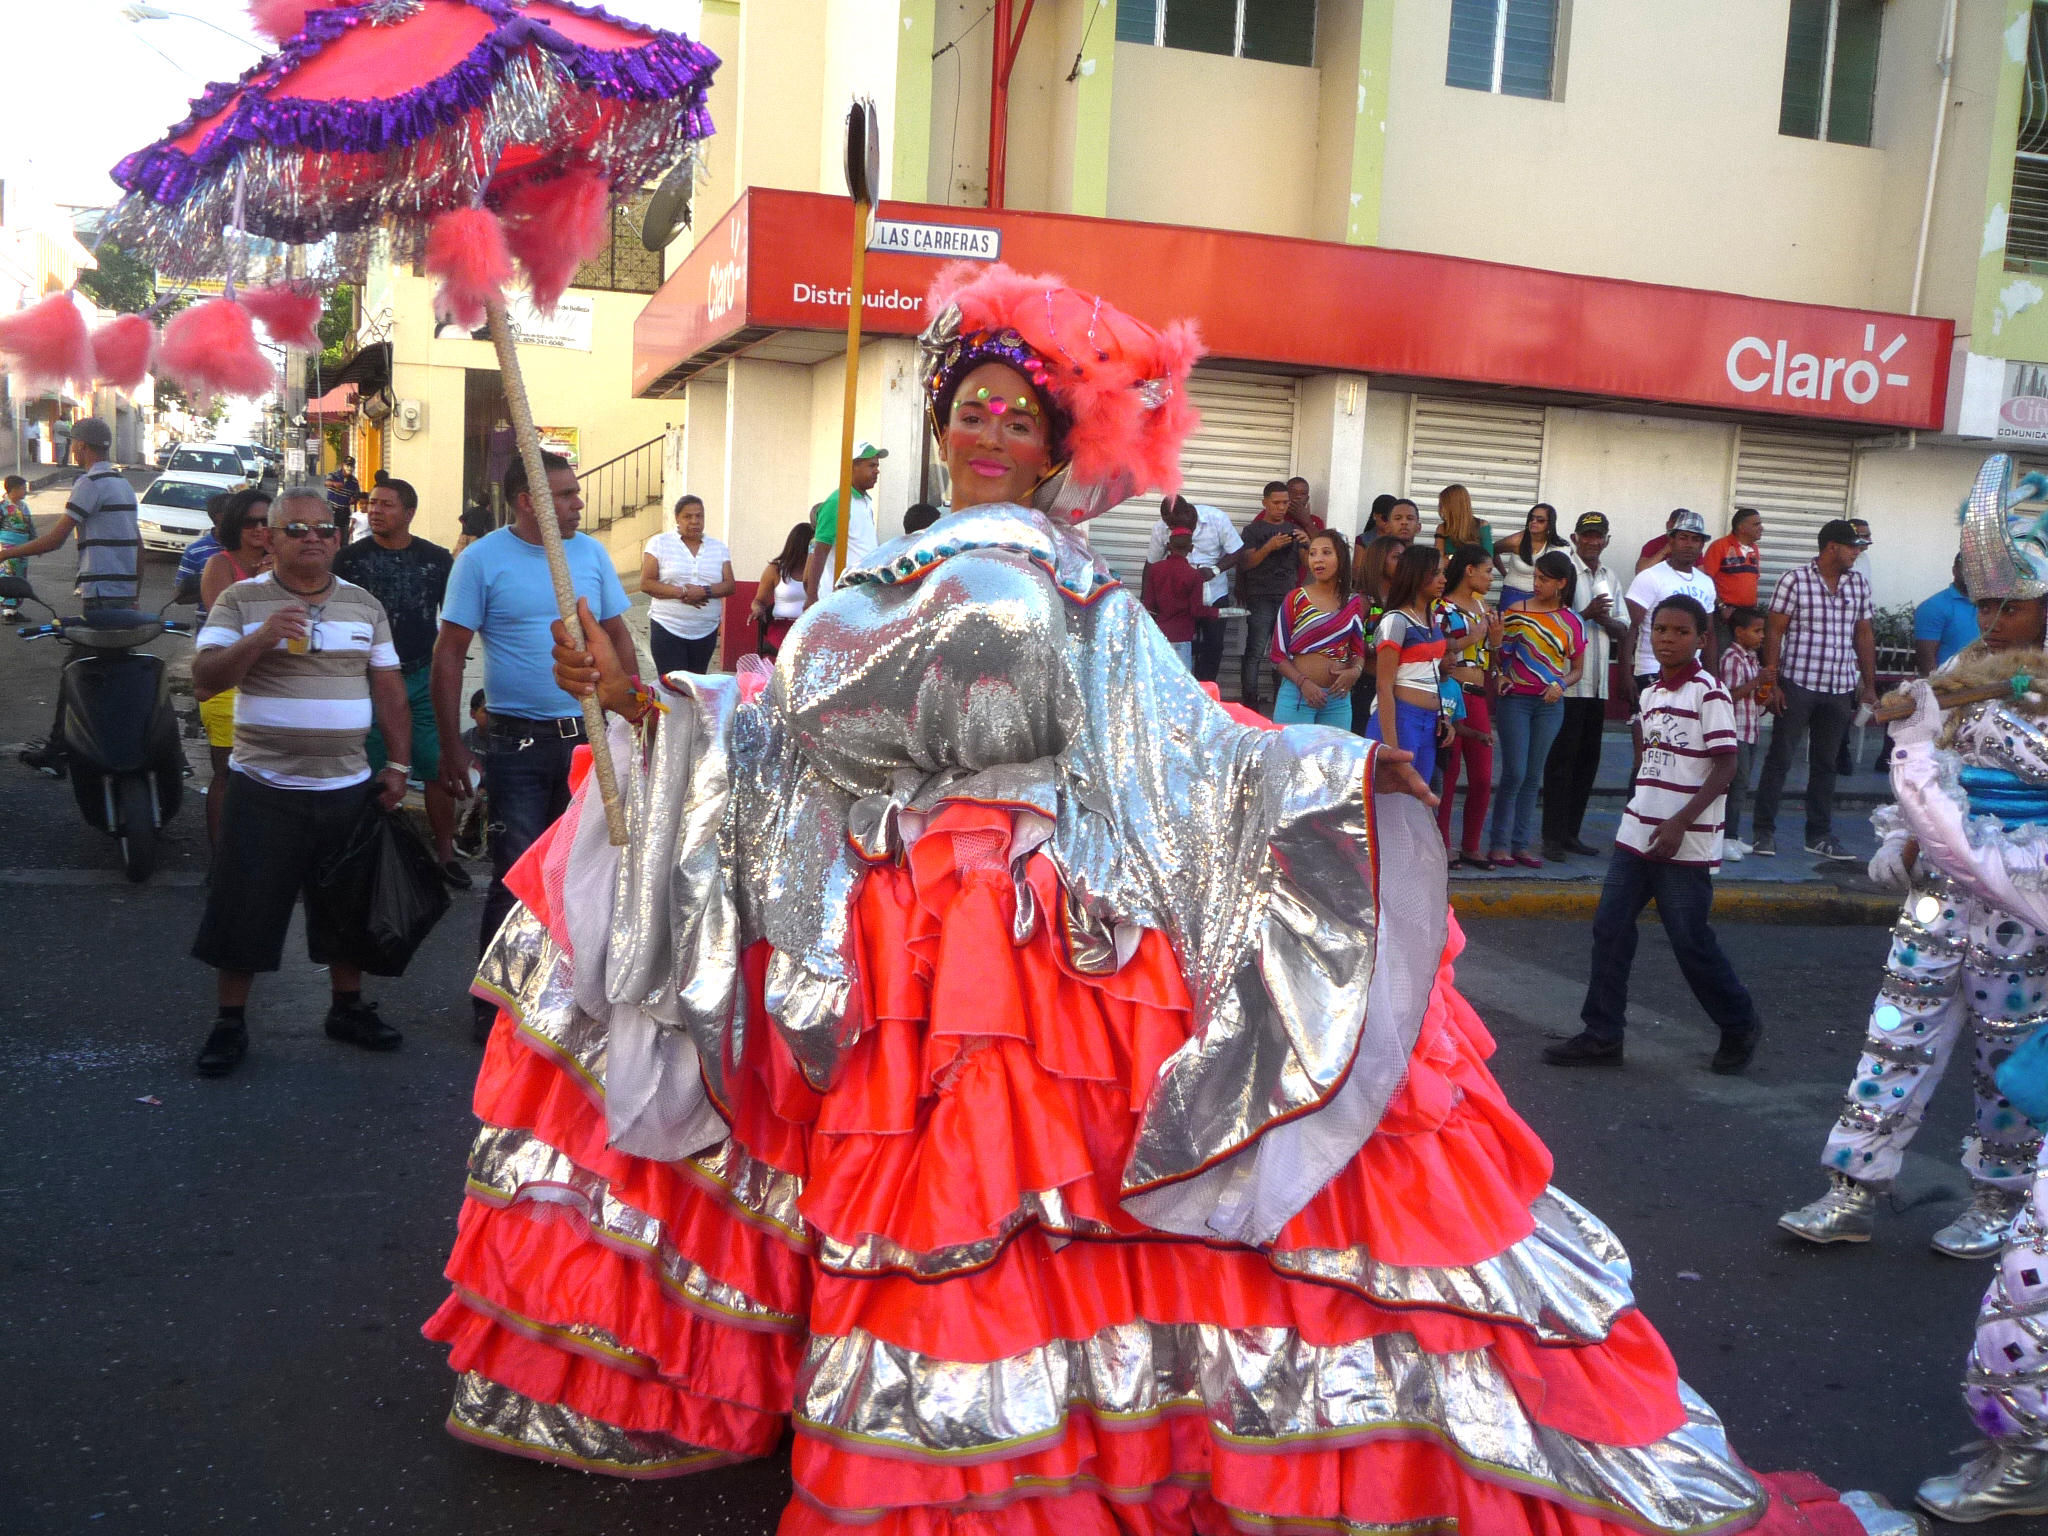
{"points": [[1049, 1097]]}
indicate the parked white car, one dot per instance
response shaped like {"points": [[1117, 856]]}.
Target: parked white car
{"points": [[218, 464], [172, 512]]}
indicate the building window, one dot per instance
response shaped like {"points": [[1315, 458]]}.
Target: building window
{"points": [[1831, 70], [2026, 221], [1278, 31], [1508, 47], [624, 265]]}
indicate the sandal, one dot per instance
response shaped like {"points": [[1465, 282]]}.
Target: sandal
{"points": [[1465, 859]]}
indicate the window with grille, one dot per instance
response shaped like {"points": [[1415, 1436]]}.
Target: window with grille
{"points": [[2026, 220], [1507, 47], [1831, 70], [624, 265], [1278, 31]]}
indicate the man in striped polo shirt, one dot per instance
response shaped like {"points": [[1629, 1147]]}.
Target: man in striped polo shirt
{"points": [[312, 658], [1668, 848]]}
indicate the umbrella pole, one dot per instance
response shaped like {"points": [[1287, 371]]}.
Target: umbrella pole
{"points": [[528, 439], [854, 298]]}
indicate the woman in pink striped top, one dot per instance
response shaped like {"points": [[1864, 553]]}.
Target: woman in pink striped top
{"points": [[1319, 639]]}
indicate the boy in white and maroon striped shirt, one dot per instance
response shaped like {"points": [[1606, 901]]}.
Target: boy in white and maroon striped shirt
{"points": [[1668, 848]]}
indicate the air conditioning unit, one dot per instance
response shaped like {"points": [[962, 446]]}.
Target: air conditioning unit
{"points": [[377, 407]]}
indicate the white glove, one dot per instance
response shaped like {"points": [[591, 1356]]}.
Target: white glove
{"points": [[1924, 724], [1888, 865]]}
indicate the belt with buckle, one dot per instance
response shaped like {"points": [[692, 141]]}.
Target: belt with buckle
{"points": [[565, 727]]}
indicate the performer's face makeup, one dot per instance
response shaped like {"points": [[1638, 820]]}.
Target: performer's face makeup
{"points": [[2014, 624], [997, 446]]}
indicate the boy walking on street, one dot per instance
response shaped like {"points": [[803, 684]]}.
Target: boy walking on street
{"points": [[1668, 848], [1739, 675], [16, 527]]}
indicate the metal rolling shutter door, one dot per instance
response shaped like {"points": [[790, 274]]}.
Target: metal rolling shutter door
{"points": [[1246, 439], [1798, 481], [1494, 451]]}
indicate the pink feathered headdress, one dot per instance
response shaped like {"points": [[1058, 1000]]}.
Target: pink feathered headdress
{"points": [[1117, 386]]}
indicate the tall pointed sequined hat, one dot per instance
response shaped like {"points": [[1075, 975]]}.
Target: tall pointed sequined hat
{"points": [[2004, 556]]}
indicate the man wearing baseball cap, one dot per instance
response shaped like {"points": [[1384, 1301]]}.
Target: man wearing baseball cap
{"points": [[1599, 597], [102, 508], [1676, 575], [821, 574], [1821, 652]]}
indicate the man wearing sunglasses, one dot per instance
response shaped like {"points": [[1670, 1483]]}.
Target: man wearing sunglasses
{"points": [[313, 660], [500, 589]]}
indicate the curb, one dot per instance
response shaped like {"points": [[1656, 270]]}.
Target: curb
{"points": [[1735, 901]]}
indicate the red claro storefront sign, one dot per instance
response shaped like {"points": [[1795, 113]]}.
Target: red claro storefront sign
{"points": [[778, 261]]}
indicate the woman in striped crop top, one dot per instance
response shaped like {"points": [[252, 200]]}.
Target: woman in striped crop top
{"points": [[1541, 653], [1319, 639], [1408, 659]]}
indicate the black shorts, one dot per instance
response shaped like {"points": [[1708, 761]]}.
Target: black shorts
{"points": [[273, 843]]}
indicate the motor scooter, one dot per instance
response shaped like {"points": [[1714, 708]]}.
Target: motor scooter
{"points": [[120, 734]]}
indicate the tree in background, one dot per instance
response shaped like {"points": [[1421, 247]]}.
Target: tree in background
{"points": [[121, 282], [338, 328]]}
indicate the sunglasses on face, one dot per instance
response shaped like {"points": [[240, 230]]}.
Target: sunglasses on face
{"points": [[321, 531]]}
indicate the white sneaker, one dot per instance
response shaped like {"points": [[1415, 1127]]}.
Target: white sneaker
{"points": [[1733, 850]]}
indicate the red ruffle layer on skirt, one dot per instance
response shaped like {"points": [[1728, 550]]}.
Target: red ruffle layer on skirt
{"points": [[987, 1072]]}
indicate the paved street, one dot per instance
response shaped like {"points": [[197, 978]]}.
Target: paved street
{"points": [[214, 1300]]}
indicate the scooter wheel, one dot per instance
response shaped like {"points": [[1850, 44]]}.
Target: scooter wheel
{"points": [[135, 808]]}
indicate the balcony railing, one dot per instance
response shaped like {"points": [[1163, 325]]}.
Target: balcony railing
{"points": [[624, 485]]}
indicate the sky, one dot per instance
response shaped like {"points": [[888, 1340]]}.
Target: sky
{"points": [[86, 86]]}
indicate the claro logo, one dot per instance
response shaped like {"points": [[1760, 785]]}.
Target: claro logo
{"points": [[1755, 364], [722, 285]]}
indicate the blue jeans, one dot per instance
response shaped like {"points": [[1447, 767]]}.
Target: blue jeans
{"points": [[1685, 897], [1526, 726], [1414, 732], [526, 777], [1290, 708]]}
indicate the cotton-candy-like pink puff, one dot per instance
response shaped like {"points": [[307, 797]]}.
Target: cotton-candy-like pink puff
{"points": [[466, 249], [554, 227], [121, 350], [281, 19], [47, 343], [211, 348], [289, 313]]}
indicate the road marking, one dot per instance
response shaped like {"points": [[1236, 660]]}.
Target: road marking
{"points": [[174, 877]]}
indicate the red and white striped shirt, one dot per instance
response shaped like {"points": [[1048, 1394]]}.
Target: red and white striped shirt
{"points": [[1684, 728]]}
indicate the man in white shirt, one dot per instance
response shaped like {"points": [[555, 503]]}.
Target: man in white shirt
{"points": [[1214, 556], [1676, 575], [821, 572], [1598, 596]]}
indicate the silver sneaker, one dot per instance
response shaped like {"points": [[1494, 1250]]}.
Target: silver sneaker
{"points": [[1845, 1214], [1980, 1231], [2001, 1480]]}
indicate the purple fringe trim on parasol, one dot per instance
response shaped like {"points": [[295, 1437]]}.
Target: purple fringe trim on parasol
{"points": [[667, 68]]}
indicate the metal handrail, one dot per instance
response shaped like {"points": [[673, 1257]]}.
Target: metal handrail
{"points": [[632, 479]]}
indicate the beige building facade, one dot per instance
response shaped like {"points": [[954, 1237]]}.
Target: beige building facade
{"points": [[1863, 155]]}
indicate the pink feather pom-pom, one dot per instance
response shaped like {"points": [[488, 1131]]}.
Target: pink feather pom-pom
{"points": [[282, 19], [121, 351], [554, 227], [466, 249], [291, 315], [211, 348], [47, 343]]}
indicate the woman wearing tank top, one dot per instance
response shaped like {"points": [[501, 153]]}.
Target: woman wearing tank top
{"points": [[241, 524]]}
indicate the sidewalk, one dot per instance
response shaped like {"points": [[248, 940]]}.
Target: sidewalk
{"points": [[1795, 886]]}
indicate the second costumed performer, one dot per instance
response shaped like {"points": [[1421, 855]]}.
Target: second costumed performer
{"points": [[1047, 1094]]}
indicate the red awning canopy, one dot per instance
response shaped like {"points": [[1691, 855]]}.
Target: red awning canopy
{"points": [[338, 404], [770, 279]]}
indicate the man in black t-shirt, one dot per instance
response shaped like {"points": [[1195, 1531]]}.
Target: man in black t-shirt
{"points": [[1268, 568], [409, 576]]}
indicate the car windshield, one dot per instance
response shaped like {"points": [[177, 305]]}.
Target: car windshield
{"points": [[182, 494], [206, 461]]}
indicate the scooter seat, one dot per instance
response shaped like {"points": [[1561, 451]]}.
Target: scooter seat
{"points": [[113, 628]]}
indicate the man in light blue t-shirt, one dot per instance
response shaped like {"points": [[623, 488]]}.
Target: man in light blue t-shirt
{"points": [[500, 589], [1944, 624]]}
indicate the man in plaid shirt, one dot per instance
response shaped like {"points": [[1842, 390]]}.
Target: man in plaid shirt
{"points": [[1820, 652]]}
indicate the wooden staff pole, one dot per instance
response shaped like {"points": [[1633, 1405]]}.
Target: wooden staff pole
{"points": [[854, 298], [1899, 706], [528, 439]]}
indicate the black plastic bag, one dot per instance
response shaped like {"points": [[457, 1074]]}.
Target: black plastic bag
{"points": [[387, 880]]}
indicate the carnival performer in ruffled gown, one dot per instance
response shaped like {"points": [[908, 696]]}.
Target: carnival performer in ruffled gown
{"points": [[1046, 1094], [1971, 786]]}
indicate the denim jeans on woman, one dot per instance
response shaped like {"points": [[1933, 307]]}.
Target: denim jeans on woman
{"points": [[1290, 708], [1526, 726]]}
